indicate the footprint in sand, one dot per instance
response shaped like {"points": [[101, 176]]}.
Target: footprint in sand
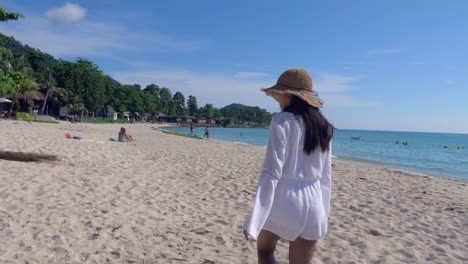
{"points": [[61, 254], [375, 232], [115, 254]]}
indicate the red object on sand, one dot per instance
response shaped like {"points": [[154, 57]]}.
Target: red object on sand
{"points": [[68, 135]]}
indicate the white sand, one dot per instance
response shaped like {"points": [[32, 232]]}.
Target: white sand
{"points": [[169, 199]]}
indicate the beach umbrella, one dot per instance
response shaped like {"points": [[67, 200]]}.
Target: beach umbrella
{"points": [[4, 100]]}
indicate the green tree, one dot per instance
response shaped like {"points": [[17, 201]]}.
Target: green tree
{"points": [[192, 105], [172, 109], [6, 56], [247, 113], [154, 91], [52, 90], [217, 113], [21, 64], [179, 101], [5, 15], [40, 65], [24, 85], [207, 111], [116, 96], [227, 121], [150, 103], [7, 84], [135, 100], [167, 105], [84, 80]]}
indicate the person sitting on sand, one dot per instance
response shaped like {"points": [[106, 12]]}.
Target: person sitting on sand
{"points": [[294, 188], [207, 132], [123, 135]]}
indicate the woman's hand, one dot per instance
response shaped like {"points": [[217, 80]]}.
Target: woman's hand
{"points": [[246, 235]]}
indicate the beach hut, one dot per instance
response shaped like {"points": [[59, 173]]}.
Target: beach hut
{"points": [[187, 119], [126, 116], [2, 102], [24, 100], [161, 117], [111, 113], [173, 119], [210, 121]]}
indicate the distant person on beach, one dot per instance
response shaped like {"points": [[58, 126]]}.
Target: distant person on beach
{"points": [[192, 127], [294, 188], [123, 135], [207, 132]]}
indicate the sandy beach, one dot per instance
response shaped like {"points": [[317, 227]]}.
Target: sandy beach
{"points": [[170, 199]]}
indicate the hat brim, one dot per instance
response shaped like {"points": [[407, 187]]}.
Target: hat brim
{"points": [[307, 96]]}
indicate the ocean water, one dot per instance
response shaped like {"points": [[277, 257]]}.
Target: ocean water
{"points": [[425, 152]]}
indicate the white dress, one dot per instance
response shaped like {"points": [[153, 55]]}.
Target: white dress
{"points": [[293, 192]]}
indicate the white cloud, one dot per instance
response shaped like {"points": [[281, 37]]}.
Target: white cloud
{"points": [[332, 90], [89, 38], [222, 90], [332, 83], [67, 13], [248, 75], [340, 100], [383, 51]]}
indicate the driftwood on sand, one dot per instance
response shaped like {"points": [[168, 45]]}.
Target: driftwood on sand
{"points": [[28, 156]]}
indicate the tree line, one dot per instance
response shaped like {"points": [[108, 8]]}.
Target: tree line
{"points": [[81, 87]]}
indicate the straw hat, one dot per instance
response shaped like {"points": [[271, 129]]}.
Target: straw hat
{"points": [[296, 82]]}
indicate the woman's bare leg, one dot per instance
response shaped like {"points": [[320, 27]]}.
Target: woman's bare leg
{"points": [[266, 244], [301, 251]]}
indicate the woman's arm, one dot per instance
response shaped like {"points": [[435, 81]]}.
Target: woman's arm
{"points": [[271, 173]]}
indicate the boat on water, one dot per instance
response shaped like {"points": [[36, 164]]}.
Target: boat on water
{"points": [[357, 138], [453, 147]]}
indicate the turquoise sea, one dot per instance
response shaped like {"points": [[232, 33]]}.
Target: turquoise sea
{"points": [[425, 152]]}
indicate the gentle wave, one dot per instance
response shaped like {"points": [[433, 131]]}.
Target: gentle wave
{"points": [[424, 152]]}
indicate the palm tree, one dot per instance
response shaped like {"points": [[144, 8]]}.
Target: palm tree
{"points": [[76, 107], [52, 90], [25, 86]]}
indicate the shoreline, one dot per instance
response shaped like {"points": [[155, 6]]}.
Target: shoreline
{"points": [[367, 162], [399, 169], [217, 125]]}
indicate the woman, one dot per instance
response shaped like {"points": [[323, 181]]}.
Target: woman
{"points": [[293, 193], [123, 135]]}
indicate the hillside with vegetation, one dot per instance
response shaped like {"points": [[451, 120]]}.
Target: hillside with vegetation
{"points": [[83, 89]]}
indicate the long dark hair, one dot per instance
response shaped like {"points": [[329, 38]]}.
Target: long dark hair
{"points": [[318, 131]]}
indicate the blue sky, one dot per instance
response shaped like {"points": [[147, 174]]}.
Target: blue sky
{"points": [[384, 65]]}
